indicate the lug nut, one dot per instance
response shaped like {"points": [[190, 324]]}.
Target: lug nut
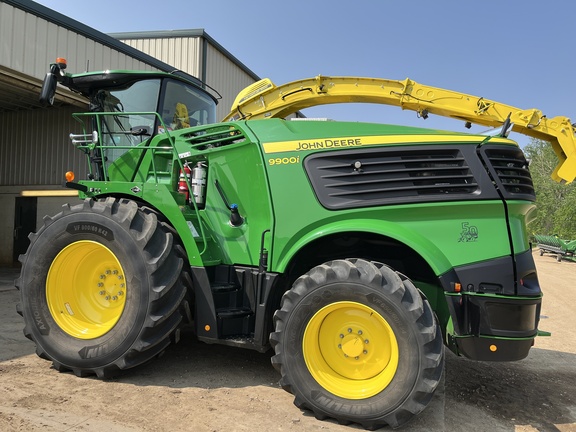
{"points": [[102, 292], [107, 298], [349, 330], [114, 298], [120, 293], [359, 332]]}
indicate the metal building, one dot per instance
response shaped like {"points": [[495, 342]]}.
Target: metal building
{"points": [[196, 53], [35, 151]]}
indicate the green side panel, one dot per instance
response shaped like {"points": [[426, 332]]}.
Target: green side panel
{"points": [[437, 231], [124, 168], [238, 169], [520, 214]]}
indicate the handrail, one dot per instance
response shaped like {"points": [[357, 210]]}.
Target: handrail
{"points": [[87, 147]]}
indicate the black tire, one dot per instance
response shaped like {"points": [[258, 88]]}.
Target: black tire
{"points": [[123, 265], [355, 297]]}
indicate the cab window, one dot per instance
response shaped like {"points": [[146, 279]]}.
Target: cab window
{"points": [[185, 106], [126, 127]]}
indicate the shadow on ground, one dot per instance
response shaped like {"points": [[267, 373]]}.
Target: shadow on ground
{"points": [[537, 392]]}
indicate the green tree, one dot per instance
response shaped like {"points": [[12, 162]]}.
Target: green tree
{"points": [[556, 213]]}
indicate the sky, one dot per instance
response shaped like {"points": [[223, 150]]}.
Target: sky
{"points": [[517, 52]]}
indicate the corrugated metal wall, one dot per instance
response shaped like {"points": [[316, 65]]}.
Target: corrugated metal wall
{"points": [[226, 77], [184, 53], [28, 44], [34, 144], [35, 148]]}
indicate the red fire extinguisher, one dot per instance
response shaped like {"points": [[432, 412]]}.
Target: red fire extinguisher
{"points": [[182, 183]]}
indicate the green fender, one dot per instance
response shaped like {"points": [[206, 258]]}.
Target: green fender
{"points": [[428, 250], [157, 196]]}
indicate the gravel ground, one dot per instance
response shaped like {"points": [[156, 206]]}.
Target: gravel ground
{"points": [[199, 387]]}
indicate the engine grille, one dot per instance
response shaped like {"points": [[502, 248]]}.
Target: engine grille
{"points": [[215, 136], [378, 177], [509, 169]]}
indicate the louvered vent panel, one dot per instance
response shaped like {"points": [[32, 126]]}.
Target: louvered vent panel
{"points": [[215, 136], [355, 179], [509, 169]]}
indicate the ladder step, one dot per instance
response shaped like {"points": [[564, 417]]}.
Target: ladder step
{"points": [[223, 287], [233, 313]]}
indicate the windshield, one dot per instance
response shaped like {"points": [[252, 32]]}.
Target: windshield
{"points": [[124, 129], [185, 106], [141, 96], [181, 106]]}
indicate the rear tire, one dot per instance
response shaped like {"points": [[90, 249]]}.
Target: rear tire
{"points": [[102, 287], [356, 342]]}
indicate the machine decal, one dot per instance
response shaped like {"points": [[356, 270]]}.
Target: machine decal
{"points": [[284, 160], [469, 233], [333, 143]]}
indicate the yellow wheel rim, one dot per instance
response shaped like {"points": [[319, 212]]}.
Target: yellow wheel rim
{"points": [[86, 289], [350, 350]]}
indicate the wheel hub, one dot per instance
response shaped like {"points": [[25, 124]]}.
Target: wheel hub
{"points": [[110, 286], [86, 289], [353, 344], [350, 350]]}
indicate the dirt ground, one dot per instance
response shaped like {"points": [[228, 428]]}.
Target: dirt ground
{"points": [[202, 388]]}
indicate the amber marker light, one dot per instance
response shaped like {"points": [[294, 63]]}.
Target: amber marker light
{"points": [[207, 327], [457, 287], [61, 62], [69, 176], [493, 348]]}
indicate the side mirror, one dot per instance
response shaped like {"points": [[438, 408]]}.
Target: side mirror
{"points": [[48, 89], [50, 80]]}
